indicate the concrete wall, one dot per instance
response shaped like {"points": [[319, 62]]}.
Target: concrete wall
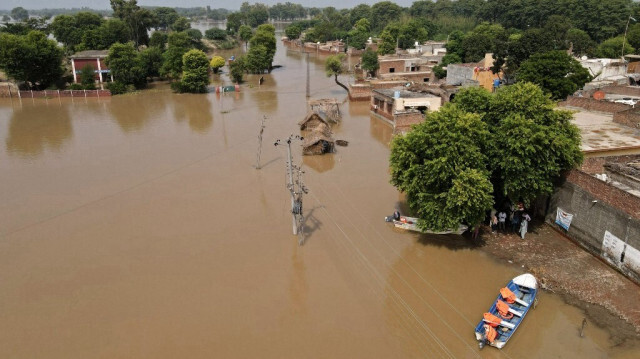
{"points": [[614, 210], [431, 102], [458, 74]]}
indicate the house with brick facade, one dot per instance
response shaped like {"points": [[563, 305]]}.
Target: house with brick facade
{"points": [[401, 108], [408, 68], [94, 58]]}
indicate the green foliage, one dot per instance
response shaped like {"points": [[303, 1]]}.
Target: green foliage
{"points": [[126, 65], [237, 68], [555, 72], [370, 62], [441, 166], [194, 34], [178, 44], [612, 48], [257, 15], [512, 143], [258, 60], [265, 36], [383, 13], [164, 17], [360, 33], [216, 63], [293, 31], [137, 19], [411, 32], [88, 77], [245, 33], [159, 39], [32, 58], [69, 29], [215, 34], [117, 87], [387, 45], [333, 65], [582, 43], [195, 75], [181, 24], [19, 13], [234, 21], [152, 61]]}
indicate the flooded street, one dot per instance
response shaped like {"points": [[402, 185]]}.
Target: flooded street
{"points": [[137, 227]]}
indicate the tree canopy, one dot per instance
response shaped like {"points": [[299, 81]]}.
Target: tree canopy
{"points": [[481, 148], [195, 75], [555, 72], [334, 66], [33, 59]]}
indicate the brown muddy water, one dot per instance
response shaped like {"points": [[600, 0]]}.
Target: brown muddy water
{"points": [[138, 227]]}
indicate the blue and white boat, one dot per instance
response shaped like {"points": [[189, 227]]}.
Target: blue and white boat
{"points": [[507, 311]]}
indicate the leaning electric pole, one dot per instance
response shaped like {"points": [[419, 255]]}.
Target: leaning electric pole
{"points": [[296, 188], [260, 142]]}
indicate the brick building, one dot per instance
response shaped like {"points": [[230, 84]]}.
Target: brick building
{"points": [[402, 108], [95, 58], [414, 69]]}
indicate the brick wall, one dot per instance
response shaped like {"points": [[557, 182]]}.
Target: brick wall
{"points": [[590, 104], [606, 193], [622, 90], [360, 92], [385, 66], [630, 117], [405, 120], [64, 93]]}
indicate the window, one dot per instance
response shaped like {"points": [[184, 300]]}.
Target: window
{"points": [[426, 79], [392, 70]]}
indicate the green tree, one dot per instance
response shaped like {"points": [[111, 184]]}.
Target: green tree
{"points": [[265, 35], [164, 17], [258, 15], [178, 44], [441, 167], [195, 72], [555, 72], [152, 61], [234, 21], [33, 59], [370, 62], [245, 34], [388, 44], [333, 66], [362, 11], [181, 24], [159, 39], [237, 68], [215, 34], [126, 66], [411, 32], [359, 35], [19, 14], [88, 77], [612, 48], [383, 13], [293, 31], [138, 20], [216, 63], [532, 143], [582, 43], [257, 60]]}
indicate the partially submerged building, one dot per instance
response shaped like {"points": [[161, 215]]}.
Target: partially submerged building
{"points": [[95, 59], [402, 108]]}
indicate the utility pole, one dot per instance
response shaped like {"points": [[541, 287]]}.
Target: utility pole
{"points": [[260, 142], [296, 189], [308, 85]]}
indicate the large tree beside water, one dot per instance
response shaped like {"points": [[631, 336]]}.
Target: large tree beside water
{"points": [[33, 59], [480, 149]]}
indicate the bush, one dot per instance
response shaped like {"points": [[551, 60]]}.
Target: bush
{"points": [[75, 86], [117, 87], [215, 34]]}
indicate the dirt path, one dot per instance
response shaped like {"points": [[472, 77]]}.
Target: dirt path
{"points": [[582, 279]]}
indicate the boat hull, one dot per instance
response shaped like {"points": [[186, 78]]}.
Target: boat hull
{"points": [[525, 287]]}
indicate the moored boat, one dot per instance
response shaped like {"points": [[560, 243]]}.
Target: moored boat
{"points": [[411, 224], [507, 312]]}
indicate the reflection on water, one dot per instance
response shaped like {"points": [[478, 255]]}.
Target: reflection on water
{"points": [[380, 130], [133, 111], [195, 108], [34, 128], [320, 163]]}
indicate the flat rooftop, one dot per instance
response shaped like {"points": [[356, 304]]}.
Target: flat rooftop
{"points": [[601, 136], [403, 93]]}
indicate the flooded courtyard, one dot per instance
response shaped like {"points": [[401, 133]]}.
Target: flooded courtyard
{"points": [[139, 227]]}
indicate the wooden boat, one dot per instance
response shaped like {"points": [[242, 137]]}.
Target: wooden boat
{"points": [[507, 312], [411, 224]]}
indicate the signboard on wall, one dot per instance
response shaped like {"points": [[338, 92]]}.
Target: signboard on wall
{"points": [[620, 254], [563, 219]]}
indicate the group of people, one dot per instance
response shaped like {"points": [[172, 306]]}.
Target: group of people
{"points": [[515, 216]]}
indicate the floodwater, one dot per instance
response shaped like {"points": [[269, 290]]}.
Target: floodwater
{"points": [[138, 227]]}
